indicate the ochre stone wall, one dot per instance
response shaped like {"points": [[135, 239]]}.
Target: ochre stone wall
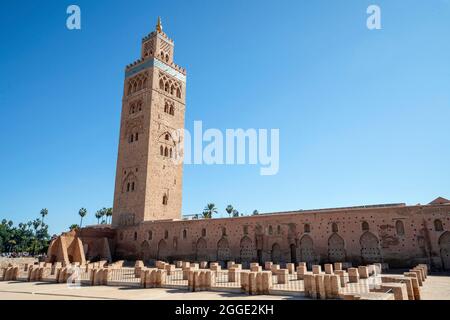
{"points": [[402, 236]]}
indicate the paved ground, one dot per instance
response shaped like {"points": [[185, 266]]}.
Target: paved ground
{"points": [[437, 287], [45, 291]]}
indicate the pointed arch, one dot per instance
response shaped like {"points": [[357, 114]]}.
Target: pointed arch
{"points": [[162, 250], [223, 250], [336, 248], [145, 251], [276, 253], [400, 228], [247, 251], [307, 253], [370, 248], [444, 246], [201, 250]]}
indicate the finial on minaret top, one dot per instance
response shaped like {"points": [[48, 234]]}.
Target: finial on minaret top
{"points": [[159, 27]]}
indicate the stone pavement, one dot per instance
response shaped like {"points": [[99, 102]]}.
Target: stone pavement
{"points": [[45, 291]]}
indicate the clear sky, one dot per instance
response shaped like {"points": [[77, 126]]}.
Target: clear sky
{"points": [[363, 115]]}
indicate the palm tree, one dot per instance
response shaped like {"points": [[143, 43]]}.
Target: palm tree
{"points": [[235, 213], [73, 227], [36, 223], [256, 212], [229, 209], [44, 212], [98, 215], [209, 210], [109, 213], [82, 213]]}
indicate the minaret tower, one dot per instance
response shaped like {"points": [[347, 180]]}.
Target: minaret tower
{"points": [[148, 179]]}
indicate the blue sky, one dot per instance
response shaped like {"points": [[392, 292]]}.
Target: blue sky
{"points": [[363, 115]]}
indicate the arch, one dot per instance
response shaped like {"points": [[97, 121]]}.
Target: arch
{"points": [[400, 228], [128, 181], [161, 150], [166, 152], [165, 199], [370, 248], [162, 250], [167, 58], [307, 228], [307, 253], [293, 249], [444, 246], [334, 227], [223, 250], [178, 93], [166, 87], [172, 111], [276, 253], [438, 225], [365, 226], [184, 234], [336, 248], [270, 230], [161, 84], [247, 251], [172, 89], [201, 250], [145, 251], [166, 107]]}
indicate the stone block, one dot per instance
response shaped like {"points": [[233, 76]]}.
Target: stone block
{"points": [[415, 284], [170, 269], [398, 289], [282, 276], [328, 268], [275, 268], [290, 267], [256, 268], [338, 266], [316, 269], [353, 275], [301, 271], [363, 272], [419, 276], [268, 265]]}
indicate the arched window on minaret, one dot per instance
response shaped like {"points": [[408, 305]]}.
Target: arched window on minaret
{"points": [[167, 58], [170, 152], [172, 111], [172, 89], [178, 93], [166, 87], [166, 152], [161, 150], [166, 108], [165, 200], [161, 84]]}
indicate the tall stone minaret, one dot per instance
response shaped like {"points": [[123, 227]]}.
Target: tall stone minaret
{"points": [[148, 180]]}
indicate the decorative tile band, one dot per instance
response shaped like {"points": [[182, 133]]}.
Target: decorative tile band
{"points": [[160, 65]]}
